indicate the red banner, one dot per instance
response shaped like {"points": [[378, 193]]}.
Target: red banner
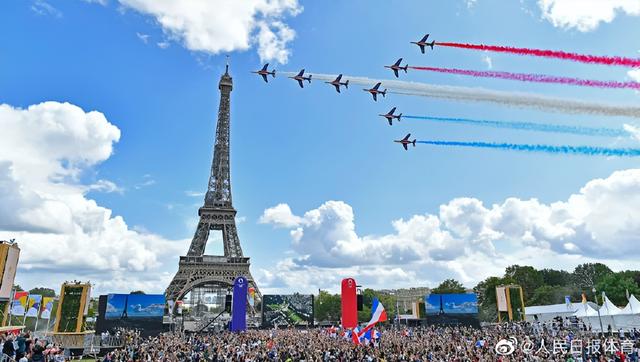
{"points": [[349, 303]]}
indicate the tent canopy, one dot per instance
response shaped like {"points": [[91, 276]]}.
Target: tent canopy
{"points": [[633, 307], [586, 310], [608, 308], [551, 309]]}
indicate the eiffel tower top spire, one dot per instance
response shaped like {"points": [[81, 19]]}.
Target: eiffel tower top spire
{"points": [[219, 189]]}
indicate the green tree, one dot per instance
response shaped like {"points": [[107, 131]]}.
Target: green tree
{"points": [[555, 277], [449, 286], [327, 307], [18, 288], [527, 277], [546, 294], [633, 274], [586, 276], [138, 292], [486, 292], [45, 292], [616, 286]]}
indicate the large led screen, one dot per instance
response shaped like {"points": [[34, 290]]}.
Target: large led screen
{"points": [[287, 310]]}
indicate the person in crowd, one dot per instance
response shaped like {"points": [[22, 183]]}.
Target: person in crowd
{"points": [[8, 348]]}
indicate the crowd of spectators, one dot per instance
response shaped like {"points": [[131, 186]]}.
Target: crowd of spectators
{"points": [[24, 348], [505, 342]]}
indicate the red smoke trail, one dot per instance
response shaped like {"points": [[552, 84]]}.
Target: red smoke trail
{"points": [[539, 78], [558, 54]]}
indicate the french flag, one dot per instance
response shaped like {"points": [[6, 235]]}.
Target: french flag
{"points": [[355, 335], [378, 314], [372, 335]]}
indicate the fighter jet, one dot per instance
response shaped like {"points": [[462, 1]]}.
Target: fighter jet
{"points": [[390, 116], [264, 72], [405, 141], [375, 91], [423, 42], [395, 67], [300, 77], [336, 83]]}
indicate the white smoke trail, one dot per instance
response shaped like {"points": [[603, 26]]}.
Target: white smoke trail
{"points": [[517, 99]]}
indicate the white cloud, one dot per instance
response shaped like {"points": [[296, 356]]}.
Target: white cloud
{"points": [[225, 25], [633, 130], [105, 186], [471, 3], [194, 193], [488, 61], [163, 44], [585, 15], [62, 233], [101, 2], [280, 216], [42, 7], [147, 181], [466, 240], [634, 74], [143, 37]]}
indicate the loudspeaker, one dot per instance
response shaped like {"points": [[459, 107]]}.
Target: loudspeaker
{"points": [[227, 303], [360, 302], [102, 310]]}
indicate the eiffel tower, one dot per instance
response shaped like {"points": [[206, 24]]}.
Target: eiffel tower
{"points": [[197, 269]]}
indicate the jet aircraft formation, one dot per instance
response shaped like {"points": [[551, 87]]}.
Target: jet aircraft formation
{"points": [[374, 91]]}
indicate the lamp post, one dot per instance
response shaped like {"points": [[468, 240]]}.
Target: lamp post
{"points": [[595, 295]]}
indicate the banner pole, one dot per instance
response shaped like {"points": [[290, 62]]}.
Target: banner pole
{"points": [[13, 293]]}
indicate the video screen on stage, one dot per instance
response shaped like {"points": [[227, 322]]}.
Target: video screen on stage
{"points": [[287, 310], [460, 303], [135, 306], [115, 306], [432, 304]]}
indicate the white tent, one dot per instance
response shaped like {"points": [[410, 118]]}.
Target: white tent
{"points": [[633, 307], [629, 316], [544, 313], [589, 315], [610, 315]]}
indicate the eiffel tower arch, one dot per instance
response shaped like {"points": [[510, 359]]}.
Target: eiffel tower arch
{"points": [[197, 269]]}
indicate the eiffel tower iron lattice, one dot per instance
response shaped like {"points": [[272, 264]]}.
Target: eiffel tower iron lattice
{"points": [[197, 269]]}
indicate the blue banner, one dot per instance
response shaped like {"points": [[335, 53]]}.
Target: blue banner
{"points": [[239, 305]]}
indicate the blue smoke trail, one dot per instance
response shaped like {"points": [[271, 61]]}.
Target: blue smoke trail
{"points": [[530, 126], [566, 150]]}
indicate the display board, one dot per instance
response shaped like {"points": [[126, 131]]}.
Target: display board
{"points": [[460, 303], [287, 310], [135, 306], [433, 304], [70, 316], [452, 309], [143, 312], [9, 255]]}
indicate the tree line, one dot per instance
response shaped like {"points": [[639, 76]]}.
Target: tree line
{"points": [[540, 287]]}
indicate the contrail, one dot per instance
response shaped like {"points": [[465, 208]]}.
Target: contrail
{"points": [[565, 150], [516, 99], [557, 54], [530, 126], [537, 78]]}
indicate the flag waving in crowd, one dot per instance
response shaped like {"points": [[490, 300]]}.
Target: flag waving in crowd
{"points": [[378, 314]]}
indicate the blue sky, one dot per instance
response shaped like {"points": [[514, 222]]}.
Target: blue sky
{"points": [[305, 147]]}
